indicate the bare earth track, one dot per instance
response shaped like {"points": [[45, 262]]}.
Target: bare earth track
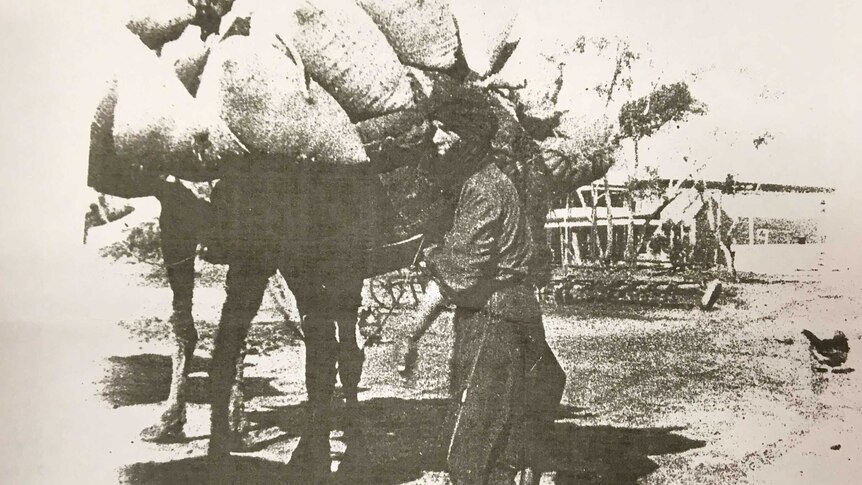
{"points": [[653, 396]]}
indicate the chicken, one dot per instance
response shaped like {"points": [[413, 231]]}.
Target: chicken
{"points": [[831, 352]]}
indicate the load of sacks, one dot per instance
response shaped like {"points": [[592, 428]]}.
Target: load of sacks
{"points": [[334, 83]]}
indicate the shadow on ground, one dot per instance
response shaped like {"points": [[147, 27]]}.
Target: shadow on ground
{"points": [[146, 379], [390, 441]]}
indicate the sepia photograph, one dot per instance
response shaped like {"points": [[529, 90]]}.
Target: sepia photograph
{"points": [[444, 242]]}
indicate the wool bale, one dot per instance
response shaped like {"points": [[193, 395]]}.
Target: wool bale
{"points": [[422, 32], [156, 22], [105, 173], [484, 29], [537, 69], [396, 139], [402, 138], [582, 157], [159, 127], [512, 144], [262, 95], [348, 55], [187, 56]]}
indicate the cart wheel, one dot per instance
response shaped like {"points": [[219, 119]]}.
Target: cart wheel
{"points": [[381, 293]]}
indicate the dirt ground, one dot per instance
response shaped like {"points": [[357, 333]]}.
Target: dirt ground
{"points": [[653, 397]]}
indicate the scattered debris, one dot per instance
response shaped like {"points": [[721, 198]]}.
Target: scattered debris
{"points": [[786, 341], [655, 287], [710, 295], [835, 447]]}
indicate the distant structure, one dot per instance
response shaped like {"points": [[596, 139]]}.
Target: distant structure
{"points": [[681, 223]]}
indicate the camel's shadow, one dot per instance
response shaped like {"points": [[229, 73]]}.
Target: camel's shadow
{"points": [[146, 379], [391, 441]]}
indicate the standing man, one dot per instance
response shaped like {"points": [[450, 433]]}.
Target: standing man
{"points": [[505, 379]]}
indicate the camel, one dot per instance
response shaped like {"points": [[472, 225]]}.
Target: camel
{"points": [[260, 222], [317, 225], [187, 221], [313, 243], [275, 219]]}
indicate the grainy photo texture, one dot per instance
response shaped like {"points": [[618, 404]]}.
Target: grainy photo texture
{"points": [[436, 241]]}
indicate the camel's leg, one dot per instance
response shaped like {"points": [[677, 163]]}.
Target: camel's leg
{"points": [[329, 324], [179, 243], [311, 455], [346, 298], [236, 409], [245, 287], [350, 356], [320, 358]]}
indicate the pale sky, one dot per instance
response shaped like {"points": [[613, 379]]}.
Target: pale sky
{"points": [[802, 56], [788, 67]]}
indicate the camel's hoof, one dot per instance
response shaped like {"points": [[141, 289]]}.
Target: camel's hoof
{"points": [[351, 396], [164, 433], [236, 443]]}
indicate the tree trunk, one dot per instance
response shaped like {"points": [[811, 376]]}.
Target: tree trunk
{"points": [[731, 257], [642, 243], [751, 230], [631, 254], [717, 228], [609, 245], [725, 243], [595, 244], [566, 243]]}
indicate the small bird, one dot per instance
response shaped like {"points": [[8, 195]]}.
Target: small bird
{"points": [[831, 352]]}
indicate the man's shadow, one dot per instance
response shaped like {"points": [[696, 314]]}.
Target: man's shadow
{"points": [[391, 441]]}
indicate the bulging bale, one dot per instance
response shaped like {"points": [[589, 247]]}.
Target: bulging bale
{"points": [[583, 156], [512, 143], [159, 127], [404, 137], [422, 32], [187, 56], [539, 79], [105, 174], [157, 22], [396, 139], [484, 29], [261, 93], [348, 55], [538, 71]]}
